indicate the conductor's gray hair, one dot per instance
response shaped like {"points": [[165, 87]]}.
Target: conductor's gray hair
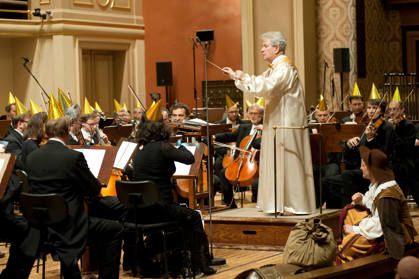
{"points": [[277, 39]]}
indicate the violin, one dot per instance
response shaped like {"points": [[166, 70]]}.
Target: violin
{"points": [[396, 121], [373, 127], [244, 169]]}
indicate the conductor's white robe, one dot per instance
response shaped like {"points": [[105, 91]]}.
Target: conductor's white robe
{"points": [[284, 106]]}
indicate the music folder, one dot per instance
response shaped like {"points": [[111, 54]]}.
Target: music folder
{"points": [[123, 156]]}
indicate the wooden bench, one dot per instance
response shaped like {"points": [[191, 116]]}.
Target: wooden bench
{"points": [[368, 267]]}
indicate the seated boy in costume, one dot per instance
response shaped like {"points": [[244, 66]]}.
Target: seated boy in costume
{"points": [[386, 215]]}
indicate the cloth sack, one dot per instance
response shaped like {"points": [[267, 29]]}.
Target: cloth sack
{"points": [[310, 244]]}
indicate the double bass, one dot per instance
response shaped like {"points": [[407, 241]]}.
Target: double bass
{"points": [[244, 169]]}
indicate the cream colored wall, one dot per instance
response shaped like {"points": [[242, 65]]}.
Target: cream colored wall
{"points": [[296, 20], [55, 47]]}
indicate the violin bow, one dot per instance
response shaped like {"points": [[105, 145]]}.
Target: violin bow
{"points": [[136, 97]]}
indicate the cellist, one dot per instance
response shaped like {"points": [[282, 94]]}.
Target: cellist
{"points": [[256, 119], [231, 117]]}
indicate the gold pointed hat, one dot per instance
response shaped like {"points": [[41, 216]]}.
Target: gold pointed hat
{"points": [[20, 108], [116, 105], [356, 91], [396, 95], [34, 107], [260, 101], [54, 111], [374, 95], [125, 107], [322, 104], [248, 104], [154, 112], [138, 105], [12, 99], [229, 102], [64, 101], [87, 108], [97, 107]]}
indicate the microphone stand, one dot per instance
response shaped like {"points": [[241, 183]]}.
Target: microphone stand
{"points": [[39, 84], [214, 261], [195, 91]]}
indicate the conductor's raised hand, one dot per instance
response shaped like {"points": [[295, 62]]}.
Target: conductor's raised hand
{"points": [[228, 71]]}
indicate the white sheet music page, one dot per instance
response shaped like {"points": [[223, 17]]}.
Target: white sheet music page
{"points": [[124, 154], [1, 164], [94, 158], [183, 169]]}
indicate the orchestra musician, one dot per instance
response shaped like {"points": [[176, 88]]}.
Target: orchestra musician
{"points": [[15, 137], [284, 106], [232, 114], [331, 167], [165, 115], [54, 168], [356, 105], [339, 189], [33, 135], [256, 117], [90, 130], [122, 117], [75, 137], [403, 157], [10, 113], [179, 112], [154, 160]]}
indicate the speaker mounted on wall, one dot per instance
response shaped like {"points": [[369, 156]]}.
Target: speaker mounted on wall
{"points": [[341, 60], [205, 35], [164, 73]]}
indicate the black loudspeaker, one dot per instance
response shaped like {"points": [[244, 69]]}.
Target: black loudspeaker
{"points": [[205, 35], [164, 73], [341, 60]]}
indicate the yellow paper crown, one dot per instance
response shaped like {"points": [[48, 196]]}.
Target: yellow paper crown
{"points": [[34, 108], [396, 96], [20, 108], [54, 111], [87, 108], [229, 102], [97, 107], [374, 95], [63, 100], [260, 102], [116, 105], [154, 112], [12, 99], [356, 91], [322, 104]]}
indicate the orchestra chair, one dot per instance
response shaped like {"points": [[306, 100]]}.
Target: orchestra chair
{"points": [[23, 181], [42, 211], [137, 196]]}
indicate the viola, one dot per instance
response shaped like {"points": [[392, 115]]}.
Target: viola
{"points": [[396, 121], [244, 169]]}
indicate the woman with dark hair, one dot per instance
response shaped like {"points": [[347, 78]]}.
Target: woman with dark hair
{"points": [[154, 161], [33, 135]]}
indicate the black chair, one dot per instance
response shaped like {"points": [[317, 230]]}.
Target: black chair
{"points": [[23, 181], [139, 196], [41, 211]]}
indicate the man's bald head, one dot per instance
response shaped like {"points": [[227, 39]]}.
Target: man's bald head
{"points": [[408, 268]]}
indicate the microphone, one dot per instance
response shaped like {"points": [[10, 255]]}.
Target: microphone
{"points": [[26, 59]]}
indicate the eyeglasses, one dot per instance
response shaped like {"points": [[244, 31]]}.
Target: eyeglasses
{"points": [[233, 112]]}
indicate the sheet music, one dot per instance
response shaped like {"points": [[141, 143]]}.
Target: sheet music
{"points": [[183, 169], [124, 154], [94, 158], [1, 164]]}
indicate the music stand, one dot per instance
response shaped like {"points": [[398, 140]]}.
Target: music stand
{"points": [[4, 126], [7, 163]]}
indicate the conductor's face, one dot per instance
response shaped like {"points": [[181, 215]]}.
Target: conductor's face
{"points": [[269, 52]]}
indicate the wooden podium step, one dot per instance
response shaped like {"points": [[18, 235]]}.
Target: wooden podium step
{"points": [[249, 227]]}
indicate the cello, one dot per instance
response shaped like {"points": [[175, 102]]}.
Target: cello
{"points": [[244, 169]]}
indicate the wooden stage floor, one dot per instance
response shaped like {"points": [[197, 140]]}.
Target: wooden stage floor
{"points": [[239, 258]]}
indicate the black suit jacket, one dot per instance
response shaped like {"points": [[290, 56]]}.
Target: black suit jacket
{"points": [[15, 143], [237, 136], [404, 142], [54, 168]]}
